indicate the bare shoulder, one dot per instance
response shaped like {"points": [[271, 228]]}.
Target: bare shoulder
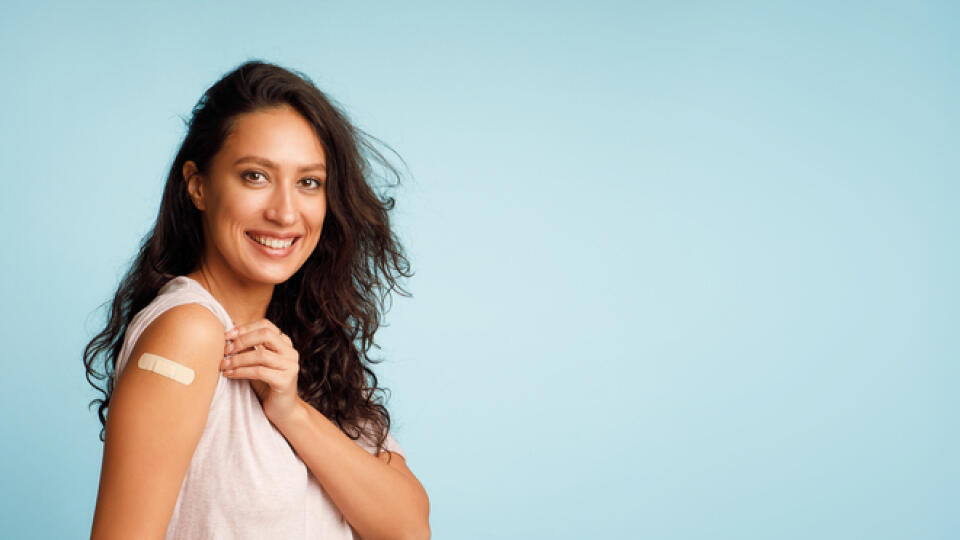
{"points": [[155, 420], [174, 363], [183, 328], [187, 338]]}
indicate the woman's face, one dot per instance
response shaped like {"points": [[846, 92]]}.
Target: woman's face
{"points": [[265, 188]]}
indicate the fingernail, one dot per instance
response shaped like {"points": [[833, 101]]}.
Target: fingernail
{"points": [[228, 347]]}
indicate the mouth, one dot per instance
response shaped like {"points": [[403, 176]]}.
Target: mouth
{"points": [[273, 245]]}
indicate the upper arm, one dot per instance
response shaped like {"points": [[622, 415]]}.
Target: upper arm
{"points": [[398, 462], [154, 424]]}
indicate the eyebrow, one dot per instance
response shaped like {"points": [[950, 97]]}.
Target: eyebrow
{"points": [[267, 163]]}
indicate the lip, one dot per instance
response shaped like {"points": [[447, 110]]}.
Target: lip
{"points": [[273, 252], [271, 234]]}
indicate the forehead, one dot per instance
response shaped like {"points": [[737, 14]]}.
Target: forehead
{"points": [[279, 134]]}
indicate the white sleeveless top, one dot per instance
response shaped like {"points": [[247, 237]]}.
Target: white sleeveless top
{"points": [[244, 480]]}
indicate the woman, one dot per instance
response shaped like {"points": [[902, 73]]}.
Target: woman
{"points": [[236, 365]]}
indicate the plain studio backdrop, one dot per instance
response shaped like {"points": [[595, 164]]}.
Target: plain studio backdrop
{"points": [[683, 270]]}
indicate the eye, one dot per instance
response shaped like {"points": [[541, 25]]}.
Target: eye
{"points": [[313, 183], [247, 174]]}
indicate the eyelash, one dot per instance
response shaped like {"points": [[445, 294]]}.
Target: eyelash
{"points": [[318, 183]]}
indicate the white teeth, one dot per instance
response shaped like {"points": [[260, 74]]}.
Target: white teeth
{"points": [[273, 242]]}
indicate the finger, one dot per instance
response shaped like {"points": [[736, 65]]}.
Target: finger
{"points": [[260, 357], [249, 327], [270, 376], [265, 336]]}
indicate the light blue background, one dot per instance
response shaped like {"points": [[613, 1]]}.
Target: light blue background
{"points": [[684, 270]]}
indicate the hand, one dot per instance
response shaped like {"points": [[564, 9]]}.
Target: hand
{"points": [[259, 351]]}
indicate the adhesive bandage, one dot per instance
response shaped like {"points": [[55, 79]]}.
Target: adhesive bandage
{"points": [[166, 367]]}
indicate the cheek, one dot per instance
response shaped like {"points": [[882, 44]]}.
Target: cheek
{"points": [[236, 207], [232, 218], [316, 216]]}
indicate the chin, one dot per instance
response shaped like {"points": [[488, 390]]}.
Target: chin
{"points": [[263, 274], [274, 278]]}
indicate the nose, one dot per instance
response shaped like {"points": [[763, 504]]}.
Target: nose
{"points": [[282, 208]]}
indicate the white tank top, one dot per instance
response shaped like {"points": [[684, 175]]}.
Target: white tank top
{"points": [[244, 480]]}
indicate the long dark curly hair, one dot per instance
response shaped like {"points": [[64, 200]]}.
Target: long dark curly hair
{"points": [[331, 307]]}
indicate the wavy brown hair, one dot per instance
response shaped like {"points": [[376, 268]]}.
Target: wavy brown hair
{"points": [[331, 307]]}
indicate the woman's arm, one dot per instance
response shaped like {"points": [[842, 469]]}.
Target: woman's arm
{"points": [[154, 424], [379, 500]]}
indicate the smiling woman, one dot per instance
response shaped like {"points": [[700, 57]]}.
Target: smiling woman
{"points": [[241, 399], [263, 215]]}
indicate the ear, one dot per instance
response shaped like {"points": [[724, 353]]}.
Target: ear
{"points": [[194, 181]]}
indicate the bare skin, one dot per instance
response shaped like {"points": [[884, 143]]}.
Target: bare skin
{"points": [[240, 199], [154, 424]]}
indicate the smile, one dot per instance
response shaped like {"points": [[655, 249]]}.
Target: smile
{"points": [[273, 242], [272, 245]]}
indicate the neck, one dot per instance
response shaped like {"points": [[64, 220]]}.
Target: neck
{"points": [[245, 301]]}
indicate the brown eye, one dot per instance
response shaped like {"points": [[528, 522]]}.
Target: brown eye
{"points": [[315, 183], [246, 175]]}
